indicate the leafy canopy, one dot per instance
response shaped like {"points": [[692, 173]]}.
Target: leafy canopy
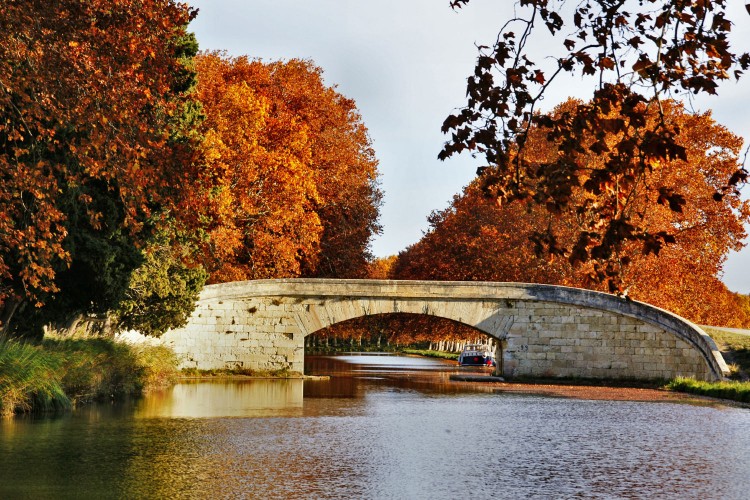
{"points": [[91, 95], [638, 53], [289, 186], [476, 240]]}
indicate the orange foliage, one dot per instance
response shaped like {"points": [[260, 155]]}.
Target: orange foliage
{"points": [[287, 163], [400, 329], [381, 268], [87, 94], [475, 239], [636, 54], [343, 163]]}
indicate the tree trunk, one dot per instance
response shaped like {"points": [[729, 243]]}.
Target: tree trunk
{"points": [[10, 306]]}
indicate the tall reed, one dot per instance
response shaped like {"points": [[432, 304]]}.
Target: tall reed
{"points": [[29, 379], [61, 373]]}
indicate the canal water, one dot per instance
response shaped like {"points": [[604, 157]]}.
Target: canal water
{"points": [[380, 427]]}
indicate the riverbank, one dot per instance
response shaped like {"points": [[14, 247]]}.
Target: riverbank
{"points": [[452, 356], [604, 392], [60, 374], [192, 374], [734, 345]]}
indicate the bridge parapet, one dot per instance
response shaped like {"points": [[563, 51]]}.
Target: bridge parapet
{"points": [[545, 330]]}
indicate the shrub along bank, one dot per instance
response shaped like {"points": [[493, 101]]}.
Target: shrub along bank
{"points": [[735, 348], [59, 374]]}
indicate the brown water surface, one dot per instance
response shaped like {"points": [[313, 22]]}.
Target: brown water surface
{"points": [[380, 427]]}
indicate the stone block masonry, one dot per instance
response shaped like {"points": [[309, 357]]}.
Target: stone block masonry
{"points": [[544, 330]]}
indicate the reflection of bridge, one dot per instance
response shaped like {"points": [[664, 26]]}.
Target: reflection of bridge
{"points": [[543, 330]]}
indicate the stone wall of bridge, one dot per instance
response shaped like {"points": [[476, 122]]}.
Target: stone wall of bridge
{"points": [[545, 331]]}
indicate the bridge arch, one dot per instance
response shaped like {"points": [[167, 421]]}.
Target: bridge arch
{"points": [[545, 330], [415, 330]]}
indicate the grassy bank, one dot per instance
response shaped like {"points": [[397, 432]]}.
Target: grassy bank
{"points": [[736, 351], [733, 390], [735, 348], [59, 374], [342, 348], [432, 354]]}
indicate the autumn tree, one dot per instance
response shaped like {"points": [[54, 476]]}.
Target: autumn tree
{"points": [[474, 239], [290, 179], [256, 195], [91, 99], [637, 54], [381, 268], [163, 290], [477, 239], [344, 167]]}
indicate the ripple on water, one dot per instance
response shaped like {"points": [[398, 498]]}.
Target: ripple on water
{"points": [[376, 437]]}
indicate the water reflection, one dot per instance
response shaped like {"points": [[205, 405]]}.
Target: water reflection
{"points": [[399, 431], [386, 364], [352, 376], [237, 398]]}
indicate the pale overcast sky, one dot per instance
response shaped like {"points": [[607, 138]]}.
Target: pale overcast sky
{"points": [[405, 63]]}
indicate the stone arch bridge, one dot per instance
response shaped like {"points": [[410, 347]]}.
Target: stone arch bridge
{"points": [[543, 330]]}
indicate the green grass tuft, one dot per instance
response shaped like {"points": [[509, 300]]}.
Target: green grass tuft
{"points": [[732, 390], [159, 365], [29, 379], [61, 373]]}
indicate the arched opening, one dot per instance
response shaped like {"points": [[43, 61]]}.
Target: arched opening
{"points": [[402, 332]]}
